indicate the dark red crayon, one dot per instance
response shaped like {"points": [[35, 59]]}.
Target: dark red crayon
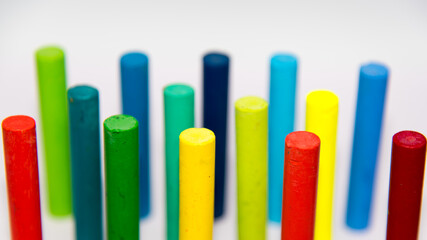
{"points": [[300, 185], [408, 157], [20, 155]]}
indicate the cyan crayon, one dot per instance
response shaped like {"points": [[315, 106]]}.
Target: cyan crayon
{"points": [[283, 82]]}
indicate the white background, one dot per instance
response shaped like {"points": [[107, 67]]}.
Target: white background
{"points": [[331, 39]]}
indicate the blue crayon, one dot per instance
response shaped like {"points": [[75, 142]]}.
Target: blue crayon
{"points": [[367, 131], [215, 104], [135, 98], [83, 107], [283, 81]]}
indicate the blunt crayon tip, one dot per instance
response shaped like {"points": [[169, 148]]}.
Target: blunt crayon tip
{"points": [[18, 123], [302, 140], [374, 71], [134, 59], [120, 123], [251, 104], [82, 93], [197, 136], [409, 139], [284, 59], [50, 53], [322, 99], [216, 59], [178, 90]]}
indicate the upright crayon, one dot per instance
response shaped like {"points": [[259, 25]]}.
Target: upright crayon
{"points": [[322, 120], [135, 100], [215, 107], [54, 116], [283, 81], [251, 159], [367, 131], [83, 107], [300, 185], [22, 177], [196, 184], [408, 158], [122, 177], [179, 115]]}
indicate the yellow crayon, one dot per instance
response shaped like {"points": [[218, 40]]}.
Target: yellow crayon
{"points": [[322, 119], [196, 183]]}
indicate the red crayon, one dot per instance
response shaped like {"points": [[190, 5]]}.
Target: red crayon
{"points": [[408, 157], [20, 155], [300, 185]]}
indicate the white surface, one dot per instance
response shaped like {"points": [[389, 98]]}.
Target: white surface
{"points": [[331, 38]]}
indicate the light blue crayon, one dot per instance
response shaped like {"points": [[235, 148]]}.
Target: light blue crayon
{"points": [[135, 98], [283, 81], [367, 131]]}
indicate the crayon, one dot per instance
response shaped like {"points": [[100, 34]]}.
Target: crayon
{"points": [[135, 101], [322, 120], [179, 115], [408, 158], [121, 177], [22, 177], [215, 107], [283, 81], [251, 159], [367, 131], [300, 185], [196, 183], [83, 107], [54, 115]]}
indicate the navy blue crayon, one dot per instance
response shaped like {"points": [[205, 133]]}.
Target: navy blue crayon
{"points": [[215, 104], [135, 98], [367, 131], [83, 107]]}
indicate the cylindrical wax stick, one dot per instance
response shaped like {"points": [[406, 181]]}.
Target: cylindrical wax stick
{"points": [[283, 79], [300, 185], [83, 107], [367, 131], [322, 120], [22, 175], [179, 115], [251, 150], [54, 115], [135, 100], [196, 183], [408, 157], [215, 105], [122, 177]]}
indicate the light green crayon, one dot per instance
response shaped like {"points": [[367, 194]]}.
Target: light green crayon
{"points": [[53, 106], [251, 147]]}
